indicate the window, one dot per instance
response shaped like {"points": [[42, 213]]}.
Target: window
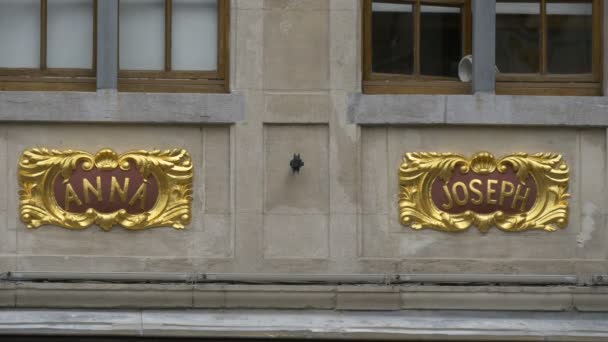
{"points": [[173, 45], [548, 47], [47, 44], [415, 46]]}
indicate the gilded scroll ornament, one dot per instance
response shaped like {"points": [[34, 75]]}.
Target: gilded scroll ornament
{"points": [[75, 189], [518, 192]]}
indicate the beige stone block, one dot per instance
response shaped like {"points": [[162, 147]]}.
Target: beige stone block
{"points": [[344, 156], [274, 297], [344, 50], [377, 265], [296, 48], [591, 235], [343, 243], [249, 161], [375, 240], [7, 295], [306, 192], [297, 108], [49, 240], [119, 264], [368, 298], [248, 50], [590, 299], [454, 300], [374, 173], [215, 240], [170, 264], [296, 236], [103, 296], [344, 5], [8, 234], [8, 263], [249, 4], [216, 170], [54, 263], [149, 242], [295, 265], [249, 242], [208, 296], [473, 244], [487, 266], [313, 5]]}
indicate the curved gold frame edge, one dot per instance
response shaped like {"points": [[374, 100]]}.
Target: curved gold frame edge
{"points": [[38, 167], [419, 169]]}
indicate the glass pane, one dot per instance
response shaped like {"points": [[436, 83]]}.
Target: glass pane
{"points": [[392, 38], [194, 35], [19, 33], [142, 35], [518, 37], [440, 40], [569, 37], [70, 34]]}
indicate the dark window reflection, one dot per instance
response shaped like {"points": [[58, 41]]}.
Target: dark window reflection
{"points": [[440, 40], [569, 37], [392, 38], [518, 37]]}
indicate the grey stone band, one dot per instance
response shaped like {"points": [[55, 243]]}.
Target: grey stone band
{"points": [[398, 325], [114, 107], [479, 109]]}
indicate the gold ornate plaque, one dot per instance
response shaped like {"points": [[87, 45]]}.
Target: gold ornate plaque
{"points": [[518, 192], [76, 189]]}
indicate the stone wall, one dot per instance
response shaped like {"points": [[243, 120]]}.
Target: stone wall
{"points": [[295, 67]]}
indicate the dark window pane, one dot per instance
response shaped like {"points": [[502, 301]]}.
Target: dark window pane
{"points": [[392, 38], [518, 37], [569, 37], [440, 40]]}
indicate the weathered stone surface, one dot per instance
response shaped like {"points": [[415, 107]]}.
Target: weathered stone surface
{"points": [[478, 109], [306, 192], [290, 61], [112, 107], [103, 296]]}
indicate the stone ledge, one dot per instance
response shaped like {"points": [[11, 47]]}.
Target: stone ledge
{"points": [[311, 324], [478, 109], [115, 107], [343, 297]]}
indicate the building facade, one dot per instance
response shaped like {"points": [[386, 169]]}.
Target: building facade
{"points": [[351, 87]]}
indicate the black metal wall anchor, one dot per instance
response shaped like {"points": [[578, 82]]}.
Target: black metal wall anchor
{"points": [[296, 163]]}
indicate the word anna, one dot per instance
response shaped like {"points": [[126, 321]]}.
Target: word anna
{"points": [[462, 194], [117, 192]]}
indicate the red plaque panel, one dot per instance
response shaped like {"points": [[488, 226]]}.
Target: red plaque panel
{"points": [[106, 191], [484, 193]]}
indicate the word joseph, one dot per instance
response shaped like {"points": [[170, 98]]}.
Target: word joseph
{"points": [[507, 190], [446, 191], [485, 193]]}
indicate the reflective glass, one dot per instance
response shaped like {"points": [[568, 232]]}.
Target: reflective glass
{"points": [[70, 34], [569, 37], [194, 35], [440, 40], [20, 33], [392, 38], [518, 36], [142, 35]]}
